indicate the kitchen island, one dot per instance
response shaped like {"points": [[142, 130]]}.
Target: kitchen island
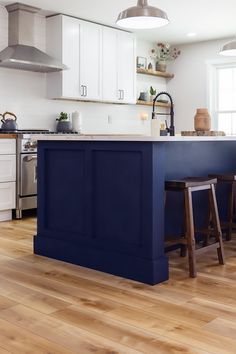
{"points": [[101, 198]]}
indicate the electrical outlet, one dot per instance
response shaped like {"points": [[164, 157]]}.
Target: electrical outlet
{"points": [[109, 119]]}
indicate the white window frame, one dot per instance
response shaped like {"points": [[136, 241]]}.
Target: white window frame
{"points": [[212, 86]]}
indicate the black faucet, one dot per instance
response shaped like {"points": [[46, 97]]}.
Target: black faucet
{"points": [[171, 128]]}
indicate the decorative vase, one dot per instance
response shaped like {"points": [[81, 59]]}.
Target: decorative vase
{"points": [[161, 66], [64, 126], [143, 96], [202, 120]]}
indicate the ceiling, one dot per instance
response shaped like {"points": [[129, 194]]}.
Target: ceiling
{"points": [[209, 19]]}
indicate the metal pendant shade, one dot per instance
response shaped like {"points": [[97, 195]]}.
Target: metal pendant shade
{"points": [[142, 16], [229, 49]]}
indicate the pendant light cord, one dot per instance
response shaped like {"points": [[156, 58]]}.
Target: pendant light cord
{"points": [[142, 3]]}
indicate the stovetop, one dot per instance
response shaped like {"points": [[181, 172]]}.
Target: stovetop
{"points": [[33, 131], [24, 131]]}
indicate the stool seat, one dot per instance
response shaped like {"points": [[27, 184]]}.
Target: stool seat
{"points": [[224, 177], [189, 182]]}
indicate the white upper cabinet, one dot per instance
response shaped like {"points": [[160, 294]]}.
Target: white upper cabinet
{"points": [[90, 60], [70, 57], [78, 45], [100, 60], [110, 89], [127, 67], [63, 35], [119, 68]]}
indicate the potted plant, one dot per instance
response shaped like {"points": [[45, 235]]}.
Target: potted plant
{"points": [[64, 124], [153, 93]]}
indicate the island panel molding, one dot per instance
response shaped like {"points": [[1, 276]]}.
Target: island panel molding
{"points": [[113, 194]]}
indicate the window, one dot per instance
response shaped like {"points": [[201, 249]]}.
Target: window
{"points": [[225, 98]]}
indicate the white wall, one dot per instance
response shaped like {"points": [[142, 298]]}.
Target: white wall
{"points": [[24, 93], [189, 87]]}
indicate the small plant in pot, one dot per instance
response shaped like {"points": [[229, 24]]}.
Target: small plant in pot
{"points": [[153, 93], [64, 124]]}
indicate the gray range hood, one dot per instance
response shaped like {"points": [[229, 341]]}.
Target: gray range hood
{"points": [[21, 52]]}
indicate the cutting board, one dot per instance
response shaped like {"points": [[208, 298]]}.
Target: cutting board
{"points": [[202, 133]]}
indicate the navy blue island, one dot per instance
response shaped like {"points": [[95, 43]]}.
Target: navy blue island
{"points": [[101, 198]]}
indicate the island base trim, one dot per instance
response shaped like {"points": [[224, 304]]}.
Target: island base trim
{"points": [[139, 269]]}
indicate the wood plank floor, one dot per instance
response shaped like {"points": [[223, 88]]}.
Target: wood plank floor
{"points": [[50, 307]]}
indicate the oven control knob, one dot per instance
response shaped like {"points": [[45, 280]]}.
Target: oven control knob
{"points": [[27, 145], [33, 144]]}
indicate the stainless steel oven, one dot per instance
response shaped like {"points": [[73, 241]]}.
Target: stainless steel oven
{"points": [[26, 183]]}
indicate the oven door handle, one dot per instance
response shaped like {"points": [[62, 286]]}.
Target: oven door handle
{"points": [[30, 158]]}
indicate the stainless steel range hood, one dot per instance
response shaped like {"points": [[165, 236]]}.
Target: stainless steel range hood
{"points": [[21, 52]]}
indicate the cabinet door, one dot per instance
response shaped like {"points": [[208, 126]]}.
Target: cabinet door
{"points": [[127, 67], [90, 60], [110, 65], [7, 168], [7, 146], [7, 196], [71, 57], [63, 43]]}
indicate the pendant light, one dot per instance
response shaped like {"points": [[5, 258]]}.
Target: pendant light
{"points": [[142, 16], [229, 49]]}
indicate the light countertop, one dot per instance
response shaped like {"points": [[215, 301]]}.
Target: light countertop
{"points": [[128, 137]]}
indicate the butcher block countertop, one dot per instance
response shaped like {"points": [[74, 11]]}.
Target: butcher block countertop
{"points": [[8, 136]]}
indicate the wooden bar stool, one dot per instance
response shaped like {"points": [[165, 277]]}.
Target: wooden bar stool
{"points": [[229, 225], [188, 186]]}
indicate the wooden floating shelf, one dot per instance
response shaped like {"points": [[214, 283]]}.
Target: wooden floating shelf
{"points": [[155, 73], [157, 104]]}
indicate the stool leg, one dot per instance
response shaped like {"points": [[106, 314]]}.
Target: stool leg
{"points": [[183, 251], [230, 213], [209, 227], [183, 248], [190, 232], [216, 223]]}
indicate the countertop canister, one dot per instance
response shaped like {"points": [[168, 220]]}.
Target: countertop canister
{"points": [[202, 120], [76, 122], [155, 127]]}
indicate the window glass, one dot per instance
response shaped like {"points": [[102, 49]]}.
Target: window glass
{"points": [[226, 99], [224, 122]]}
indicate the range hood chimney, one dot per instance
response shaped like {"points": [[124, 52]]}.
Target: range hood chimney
{"points": [[21, 52]]}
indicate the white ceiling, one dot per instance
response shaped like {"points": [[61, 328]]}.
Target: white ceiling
{"points": [[210, 19]]}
